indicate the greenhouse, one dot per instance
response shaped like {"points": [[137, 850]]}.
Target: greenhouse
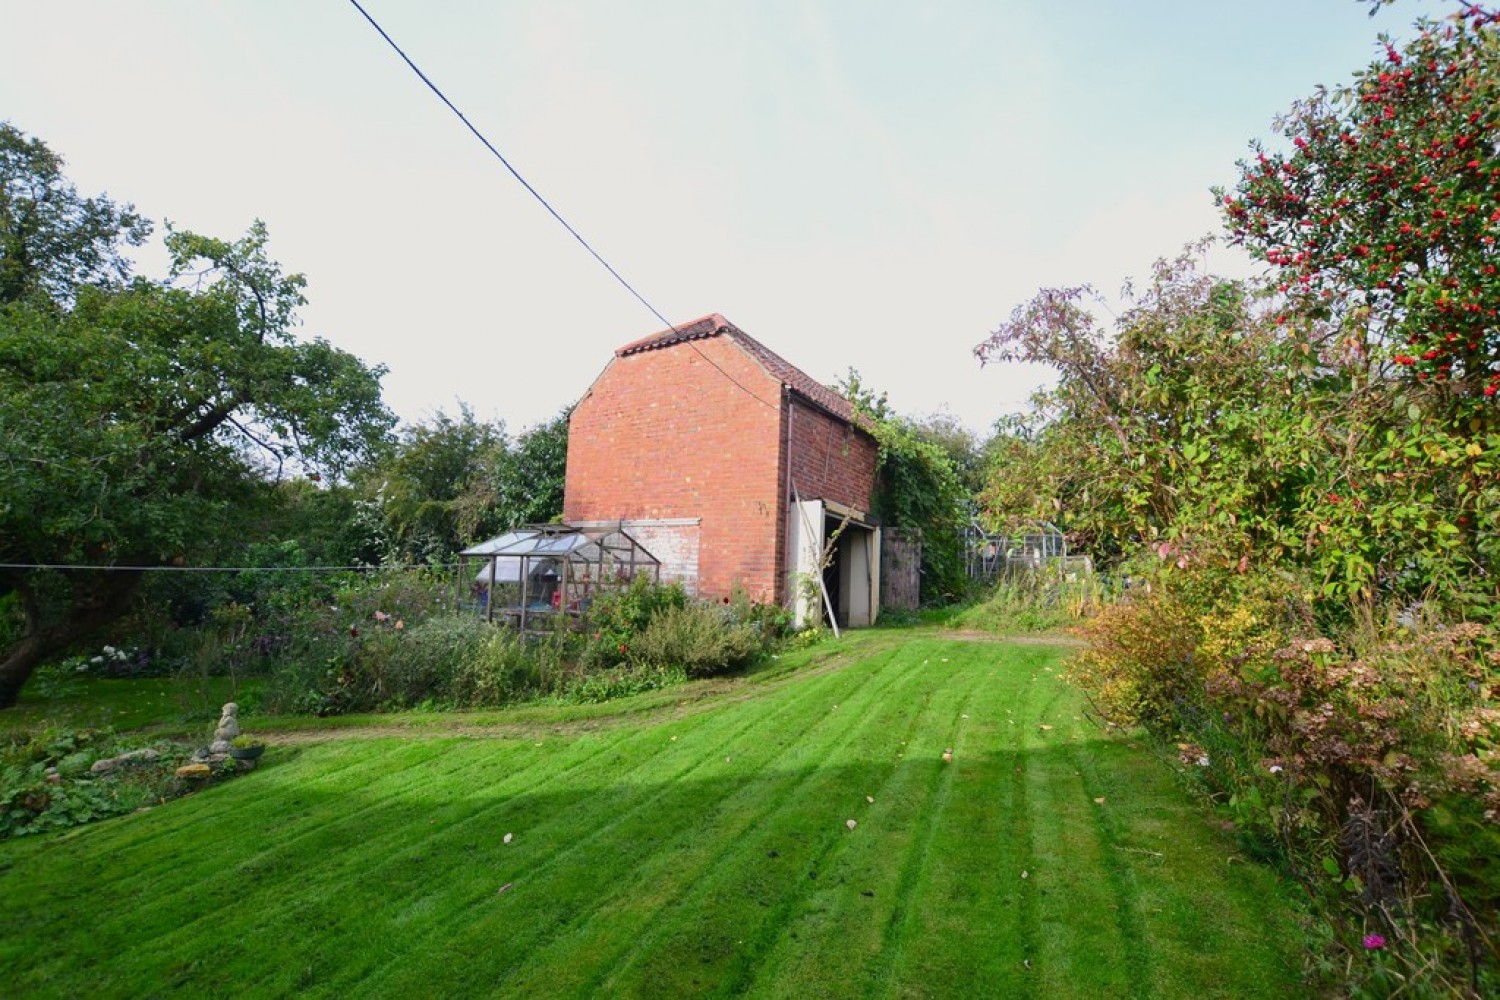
{"points": [[535, 576]]}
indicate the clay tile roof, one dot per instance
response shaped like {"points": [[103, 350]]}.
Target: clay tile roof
{"points": [[794, 378]]}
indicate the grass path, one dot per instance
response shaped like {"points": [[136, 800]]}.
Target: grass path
{"points": [[688, 847]]}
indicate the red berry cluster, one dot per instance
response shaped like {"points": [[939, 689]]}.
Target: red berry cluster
{"points": [[1389, 203]]}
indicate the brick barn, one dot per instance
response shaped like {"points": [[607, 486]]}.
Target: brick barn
{"points": [[731, 466]]}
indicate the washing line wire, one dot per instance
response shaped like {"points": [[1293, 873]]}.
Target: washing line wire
{"points": [[76, 568]]}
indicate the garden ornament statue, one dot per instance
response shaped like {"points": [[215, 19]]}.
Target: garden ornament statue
{"points": [[228, 728]]}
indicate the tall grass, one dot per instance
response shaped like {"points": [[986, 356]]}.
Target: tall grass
{"points": [[1036, 600]]}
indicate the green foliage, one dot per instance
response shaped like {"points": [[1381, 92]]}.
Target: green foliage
{"points": [[46, 784], [423, 489], [343, 650], [919, 486], [526, 485], [701, 639], [1220, 438], [1034, 601], [150, 413], [617, 617], [451, 481], [52, 240]]}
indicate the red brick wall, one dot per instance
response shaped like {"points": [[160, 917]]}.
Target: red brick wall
{"points": [[830, 459], [664, 434]]}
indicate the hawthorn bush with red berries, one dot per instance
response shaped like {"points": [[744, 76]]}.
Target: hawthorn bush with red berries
{"points": [[1385, 213]]}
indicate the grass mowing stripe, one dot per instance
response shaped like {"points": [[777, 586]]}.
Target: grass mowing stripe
{"points": [[186, 813], [353, 866], [849, 914], [533, 835], [747, 808], [1078, 909], [365, 900], [717, 944], [143, 890], [221, 812], [1216, 915], [966, 910], [254, 868], [566, 886], [1085, 742], [200, 876]]}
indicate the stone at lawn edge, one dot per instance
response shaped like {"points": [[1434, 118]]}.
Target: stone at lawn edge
{"points": [[143, 756], [219, 746], [103, 766], [194, 772]]}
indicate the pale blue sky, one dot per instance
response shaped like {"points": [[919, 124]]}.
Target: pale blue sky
{"points": [[866, 184]]}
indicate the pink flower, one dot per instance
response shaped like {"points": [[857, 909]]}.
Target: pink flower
{"points": [[1374, 942]]}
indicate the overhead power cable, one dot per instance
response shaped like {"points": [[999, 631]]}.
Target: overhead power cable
{"points": [[507, 164], [543, 201]]}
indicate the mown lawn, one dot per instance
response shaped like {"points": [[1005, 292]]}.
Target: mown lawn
{"points": [[698, 848], [171, 703]]}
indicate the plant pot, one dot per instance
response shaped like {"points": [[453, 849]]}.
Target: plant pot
{"points": [[247, 753]]}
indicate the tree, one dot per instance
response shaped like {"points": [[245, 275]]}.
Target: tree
{"points": [[451, 481], [423, 488], [52, 240], [1205, 431], [1384, 213], [137, 417], [527, 486], [918, 486]]}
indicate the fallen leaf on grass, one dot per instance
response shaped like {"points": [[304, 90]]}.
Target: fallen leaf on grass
{"points": [[870, 799], [1044, 727], [1026, 875], [851, 824], [505, 888], [507, 838], [1099, 801]]}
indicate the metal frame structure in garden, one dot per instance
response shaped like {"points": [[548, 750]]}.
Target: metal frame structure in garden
{"points": [[538, 575]]}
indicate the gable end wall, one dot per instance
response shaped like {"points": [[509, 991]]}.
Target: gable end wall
{"points": [[666, 434]]}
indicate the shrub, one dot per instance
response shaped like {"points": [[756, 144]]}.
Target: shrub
{"points": [[504, 666], [702, 639], [616, 618], [621, 682], [1363, 760], [342, 651]]}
